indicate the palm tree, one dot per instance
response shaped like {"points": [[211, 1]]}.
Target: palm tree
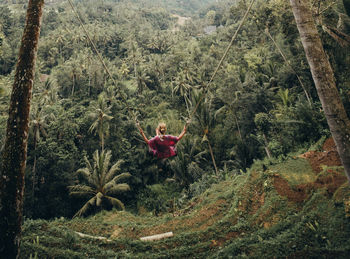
{"points": [[156, 63], [38, 125], [75, 73], [60, 40], [186, 165], [263, 124], [284, 96], [134, 55], [47, 93], [205, 123], [142, 79], [230, 105], [101, 182], [185, 82], [289, 65], [101, 116], [182, 87]]}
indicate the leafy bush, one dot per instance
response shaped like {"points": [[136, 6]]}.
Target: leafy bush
{"points": [[158, 198]]}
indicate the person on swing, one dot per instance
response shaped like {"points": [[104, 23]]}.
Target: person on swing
{"points": [[161, 145]]}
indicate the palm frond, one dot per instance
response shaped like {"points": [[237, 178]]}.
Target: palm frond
{"points": [[113, 170], [201, 154], [220, 110], [107, 117], [81, 190], [105, 163], [115, 202], [121, 176], [88, 165], [94, 180], [115, 188], [93, 127], [86, 206], [96, 156], [85, 172]]}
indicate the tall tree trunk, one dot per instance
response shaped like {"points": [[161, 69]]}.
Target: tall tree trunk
{"points": [[238, 128], [213, 158], [15, 150], [73, 81], [323, 76], [101, 134], [102, 141], [266, 146]]}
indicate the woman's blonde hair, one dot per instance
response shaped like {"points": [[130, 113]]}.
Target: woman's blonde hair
{"points": [[162, 126]]}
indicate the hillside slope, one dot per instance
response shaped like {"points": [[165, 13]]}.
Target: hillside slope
{"points": [[296, 209]]}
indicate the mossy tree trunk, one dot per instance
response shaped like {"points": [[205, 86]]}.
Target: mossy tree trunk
{"points": [[323, 77], [15, 150]]}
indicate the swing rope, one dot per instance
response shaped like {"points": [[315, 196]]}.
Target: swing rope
{"points": [[205, 91], [103, 63]]}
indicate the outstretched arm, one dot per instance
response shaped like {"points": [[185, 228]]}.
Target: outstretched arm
{"points": [[182, 133], [142, 133]]}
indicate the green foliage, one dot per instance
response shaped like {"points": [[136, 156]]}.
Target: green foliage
{"points": [[347, 6], [186, 166], [262, 121], [161, 67], [100, 182], [101, 115], [158, 198], [243, 216]]}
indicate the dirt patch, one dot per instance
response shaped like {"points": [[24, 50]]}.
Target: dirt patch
{"points": [[328, 156], [258, 201], [329, 145], [331, 179], [188, 209], [220, 242], [254, 196], [204, 218], [283, 188], [318, 159], [116, 231]]}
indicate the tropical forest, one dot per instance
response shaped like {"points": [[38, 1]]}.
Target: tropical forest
{"points": [[174, 129]]}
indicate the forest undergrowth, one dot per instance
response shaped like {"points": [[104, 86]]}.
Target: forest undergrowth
{"points": [[287, 210]]}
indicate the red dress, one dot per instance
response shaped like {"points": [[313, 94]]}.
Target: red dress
{"points": [[163, 148]]}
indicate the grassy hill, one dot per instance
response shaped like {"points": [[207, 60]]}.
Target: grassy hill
{"points": [[299, 208]]}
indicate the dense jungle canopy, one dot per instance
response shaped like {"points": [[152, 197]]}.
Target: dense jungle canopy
{"points": [[85, 154]]}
